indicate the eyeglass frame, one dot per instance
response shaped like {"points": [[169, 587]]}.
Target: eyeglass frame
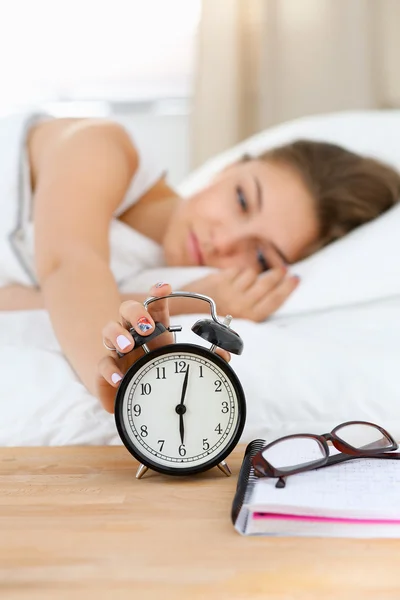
{"points": [[347, 451]]}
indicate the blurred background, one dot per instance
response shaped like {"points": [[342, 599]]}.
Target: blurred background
{"points": [[198, 76]]}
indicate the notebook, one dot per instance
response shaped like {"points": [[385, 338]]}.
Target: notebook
{"points": [[359, 498]]}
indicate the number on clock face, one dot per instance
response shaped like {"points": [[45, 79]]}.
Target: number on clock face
{"points": [[180, 410]]}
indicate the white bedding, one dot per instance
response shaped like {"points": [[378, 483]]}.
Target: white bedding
{"points": [[299, 374], [330, 354]]}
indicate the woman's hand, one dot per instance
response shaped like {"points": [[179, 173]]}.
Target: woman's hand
{"points": [[246, 294], [111, 368]]}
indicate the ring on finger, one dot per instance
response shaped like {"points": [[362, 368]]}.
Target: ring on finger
{"points": [[110, 348]]}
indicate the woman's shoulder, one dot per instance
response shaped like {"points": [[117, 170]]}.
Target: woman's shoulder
{"points": [[145, 174], [48, 134]]}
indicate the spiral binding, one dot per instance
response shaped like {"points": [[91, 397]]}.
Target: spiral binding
{"points": [[246, 478]]}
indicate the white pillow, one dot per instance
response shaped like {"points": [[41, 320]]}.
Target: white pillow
{"points": [[364, 265]]}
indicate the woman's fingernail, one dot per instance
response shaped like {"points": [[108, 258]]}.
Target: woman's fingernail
{"points": [[160, 284], [144, 324], [123, 342], [296, 277], [115, 377]]}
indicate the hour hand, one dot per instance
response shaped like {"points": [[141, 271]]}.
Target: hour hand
{"points": [[181, 428]]}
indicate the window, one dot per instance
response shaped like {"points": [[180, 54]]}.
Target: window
{"points": [[96, 50]]}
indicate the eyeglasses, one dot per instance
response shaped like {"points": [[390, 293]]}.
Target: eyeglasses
{"points": [[301, 452]]}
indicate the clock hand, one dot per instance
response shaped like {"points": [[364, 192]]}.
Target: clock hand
{"points": [[185, 382], [181, 408], [181, 428]]}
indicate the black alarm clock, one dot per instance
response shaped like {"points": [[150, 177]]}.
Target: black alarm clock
{"points": [[181, 409]]}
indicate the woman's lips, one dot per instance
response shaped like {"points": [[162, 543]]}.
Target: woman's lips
{"points": [[194, 249]]}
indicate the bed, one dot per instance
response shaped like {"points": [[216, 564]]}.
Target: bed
{"points": [[330, 354]]}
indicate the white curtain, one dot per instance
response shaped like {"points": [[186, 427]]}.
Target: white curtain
{"points": [[261, 62]]}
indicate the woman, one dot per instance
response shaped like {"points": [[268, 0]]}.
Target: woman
{"points": [[255, 218]]}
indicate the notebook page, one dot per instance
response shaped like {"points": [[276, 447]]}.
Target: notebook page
{"points": [[364, 488]]}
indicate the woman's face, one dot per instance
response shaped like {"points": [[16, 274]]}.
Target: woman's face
{"points": [[254, 214]]}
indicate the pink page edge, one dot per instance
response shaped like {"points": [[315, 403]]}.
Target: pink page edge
{"points": [[315, 519]]}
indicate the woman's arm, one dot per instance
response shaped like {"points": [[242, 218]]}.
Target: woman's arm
{"points": [[18, 297], [79, 186]]}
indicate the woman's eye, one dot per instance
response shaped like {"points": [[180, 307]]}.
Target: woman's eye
{"points": [[241, 199], [244, 206], [262, 261]]}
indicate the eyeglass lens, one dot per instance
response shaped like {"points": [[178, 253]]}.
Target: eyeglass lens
{"points": [[294, 452], [363, 437]]}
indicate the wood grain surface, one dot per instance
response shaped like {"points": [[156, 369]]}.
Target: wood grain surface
{"points": [[75, 523]]}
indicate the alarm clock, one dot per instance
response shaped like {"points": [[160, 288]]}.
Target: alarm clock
{"points": [[180, 409]]}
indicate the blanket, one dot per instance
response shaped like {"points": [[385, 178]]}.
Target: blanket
{"points": [[300, 374]]}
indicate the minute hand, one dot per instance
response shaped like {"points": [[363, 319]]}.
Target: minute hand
{"points": [[184, 387]]}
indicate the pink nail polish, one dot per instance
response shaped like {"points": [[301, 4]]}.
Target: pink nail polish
{"points": [[115, 377], [160, 284], [123, 342]]}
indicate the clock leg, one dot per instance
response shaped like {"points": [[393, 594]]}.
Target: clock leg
{"points": [[141, 471], [224, 468]]}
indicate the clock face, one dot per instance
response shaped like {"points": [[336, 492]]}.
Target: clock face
{"points": [[180, 409]]}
